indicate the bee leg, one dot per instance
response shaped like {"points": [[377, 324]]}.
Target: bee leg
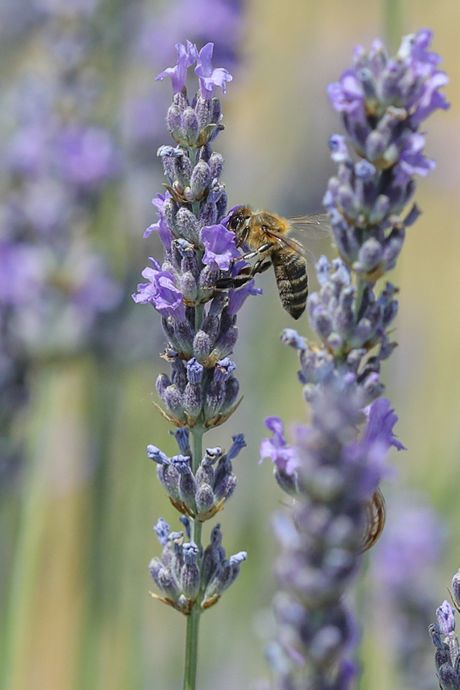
{"points": [[257, 252], [261, 266]]}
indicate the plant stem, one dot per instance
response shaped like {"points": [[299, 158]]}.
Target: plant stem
{"points": [[392, 23], [193, 620]]}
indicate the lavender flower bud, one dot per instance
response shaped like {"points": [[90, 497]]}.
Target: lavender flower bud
{"points": [[162, 382], [446, 618], [173, 122], [203, 110], [187, 484], [216, 165], [167, 584], [169, 479], [209, 213], [162, 531], [456, 588], [190, 126], [182, 170], [155, 454], [182, 440], [173, 400], [204, 498], [193, 400], [190, 574], [370, 255], [187, 225], [200, 179], [202, 346], [448, 679]]}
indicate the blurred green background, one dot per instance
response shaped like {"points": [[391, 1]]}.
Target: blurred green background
{"points": [[76, 533]]}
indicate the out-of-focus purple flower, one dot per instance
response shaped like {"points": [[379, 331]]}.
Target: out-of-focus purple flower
{"points": [[28, 150], [22, 273], [92, 289], [85, 156], [381, 419], [220, 246], [161, 291], [409, 549], [445, 640], [277, 449], [210, 77], [218, 20], [237, 297], [404, 570], [411, 81], [339, 463], [187, 56]]}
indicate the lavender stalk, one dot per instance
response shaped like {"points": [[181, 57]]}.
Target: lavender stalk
{"points": [[199, 321], [334, 466]]}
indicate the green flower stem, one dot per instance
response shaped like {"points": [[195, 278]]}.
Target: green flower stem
{"points": [[360, 285], [193, 620], [393, 23]]}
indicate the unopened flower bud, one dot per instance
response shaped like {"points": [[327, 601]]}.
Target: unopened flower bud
{"points": [[190, 574], [200, 179], [190, 125]]}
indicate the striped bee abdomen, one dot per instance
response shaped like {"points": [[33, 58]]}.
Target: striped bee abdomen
{"points": [[292, 280]]}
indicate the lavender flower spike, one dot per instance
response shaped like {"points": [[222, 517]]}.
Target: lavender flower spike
{"points": [[199, 321], [334, 466], [445, 640]]}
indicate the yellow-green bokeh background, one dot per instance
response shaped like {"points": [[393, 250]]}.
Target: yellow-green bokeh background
{"points": [[78, 615]]}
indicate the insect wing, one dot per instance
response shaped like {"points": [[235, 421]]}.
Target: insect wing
{"points": [[376, 520], [284, 241], [312, 223]]}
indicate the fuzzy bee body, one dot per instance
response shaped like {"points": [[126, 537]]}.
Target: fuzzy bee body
{"points": [[266, 235], [292, 280]]}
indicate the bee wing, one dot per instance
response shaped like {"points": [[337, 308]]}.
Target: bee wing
{"points": [[284, 241], [312, 223], [375, 520]]}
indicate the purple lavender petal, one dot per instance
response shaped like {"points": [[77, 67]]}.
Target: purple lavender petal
{"points": [[210, 77], [236, 298], [220, 246], [161, 292], [187, 55]]}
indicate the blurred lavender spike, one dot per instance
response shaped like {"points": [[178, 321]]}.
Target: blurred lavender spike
{"points": [[445, 640], [404, 570], [58, 159], [334, 466]]}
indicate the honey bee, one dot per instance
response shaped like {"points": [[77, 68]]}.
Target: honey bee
{"points": [[266, 235], [375, 520]]}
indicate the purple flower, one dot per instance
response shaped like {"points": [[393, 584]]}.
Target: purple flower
{"points": [[161, 226], [237, 298], [210, 77], [161, 292], [277, 449], [220, 247], [187, 55], [347, 95], [85, 156], [23, 270], [219, 20], [446, 618], [409, 549], [381, 418]]}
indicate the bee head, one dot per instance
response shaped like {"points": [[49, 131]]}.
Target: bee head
{"points": [[239, 220]]}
